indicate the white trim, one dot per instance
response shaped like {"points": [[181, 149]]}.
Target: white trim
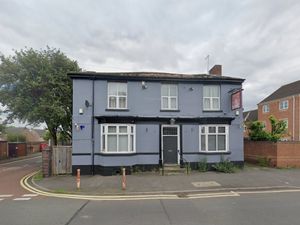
{"points": [[169, 97], [206, 126], [116, 96], [283, 108], [178, 141], [104, 132], [265, 106]]}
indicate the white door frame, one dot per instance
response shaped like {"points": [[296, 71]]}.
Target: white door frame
{"points": [[178, 141]]}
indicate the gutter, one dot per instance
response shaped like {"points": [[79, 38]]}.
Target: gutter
{"points": [[293, 118]]}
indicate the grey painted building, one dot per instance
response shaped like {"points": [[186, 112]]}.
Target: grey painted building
{"points": [[147, 119]]}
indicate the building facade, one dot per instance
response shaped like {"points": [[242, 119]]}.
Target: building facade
{"points": [[150, 119], [284, 104]]}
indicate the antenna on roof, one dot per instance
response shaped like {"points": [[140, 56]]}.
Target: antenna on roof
{"points": [[207, 59]]}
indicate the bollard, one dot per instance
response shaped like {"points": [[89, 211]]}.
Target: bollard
{"points": [[123, 179], [78, 178]]}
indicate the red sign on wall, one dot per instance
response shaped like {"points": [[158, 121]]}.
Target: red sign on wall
{"points": [[236, 100]]}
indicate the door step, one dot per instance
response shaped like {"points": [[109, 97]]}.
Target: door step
{"points": [[172, 169]]}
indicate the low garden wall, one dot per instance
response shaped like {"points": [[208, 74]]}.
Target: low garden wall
{"points": [[280, 154]]}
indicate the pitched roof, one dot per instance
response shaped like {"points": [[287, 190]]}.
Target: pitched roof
{"points": [[284, 91], [152, 76], [251, 115]]}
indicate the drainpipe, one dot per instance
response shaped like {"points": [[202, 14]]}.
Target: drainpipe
{"points": [[293, 118], [92, 127]]}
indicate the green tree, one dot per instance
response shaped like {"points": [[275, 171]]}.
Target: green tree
{"points": [[15, 137], [257, 130], [35, 88], [278, 128], [2, 129]]}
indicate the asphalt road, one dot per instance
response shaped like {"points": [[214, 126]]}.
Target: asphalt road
{"points": [[262, 209]]}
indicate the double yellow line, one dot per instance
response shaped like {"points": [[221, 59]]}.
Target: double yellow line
{"points": [[25, 184]]}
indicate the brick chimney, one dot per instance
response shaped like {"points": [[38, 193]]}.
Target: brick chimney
{"points": [[216, 70]]}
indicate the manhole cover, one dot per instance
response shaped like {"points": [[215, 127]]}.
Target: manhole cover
{"points": [[206, 184]]}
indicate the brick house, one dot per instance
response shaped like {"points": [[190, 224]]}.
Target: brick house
{"points": [[284, 105]]}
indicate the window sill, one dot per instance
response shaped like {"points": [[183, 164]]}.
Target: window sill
{"points": [[116, 153], [121, 110], [207, 153], [170, 110], [208, 111]]}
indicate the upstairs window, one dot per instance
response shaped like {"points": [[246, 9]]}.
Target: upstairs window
{"points": [[214, 138], [211, 97], [169, 97], [117, 95], [283, 105], [266, 108]]}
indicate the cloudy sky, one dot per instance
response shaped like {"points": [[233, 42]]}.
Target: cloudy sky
{"points": [[256, 40]]}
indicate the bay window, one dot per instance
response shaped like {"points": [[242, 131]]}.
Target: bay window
{"points": [[213, 138], [118, 138]]}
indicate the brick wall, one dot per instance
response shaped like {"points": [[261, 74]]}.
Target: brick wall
{"points": [[280, 154], [46, 162]]}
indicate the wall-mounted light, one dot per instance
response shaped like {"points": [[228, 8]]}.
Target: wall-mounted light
{"points": [[144, 85], [237, 113], [191, 88], [172, 121]]}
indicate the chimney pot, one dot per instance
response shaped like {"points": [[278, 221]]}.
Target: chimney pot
{"points": [[216, 70]]}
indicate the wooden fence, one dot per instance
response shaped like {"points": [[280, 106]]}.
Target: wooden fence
{"points": [[61, 160], [3, 150]]}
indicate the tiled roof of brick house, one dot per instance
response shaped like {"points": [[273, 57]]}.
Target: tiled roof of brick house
{"points": [[284, 91]]}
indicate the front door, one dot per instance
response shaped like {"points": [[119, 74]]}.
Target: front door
{"points": [[170, 143]]}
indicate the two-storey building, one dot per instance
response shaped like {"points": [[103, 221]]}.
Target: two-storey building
{"points": [[148, 119], [284, 104]]}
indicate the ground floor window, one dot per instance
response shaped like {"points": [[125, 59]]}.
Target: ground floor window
{"points": [[213, 138], [118, 138]]}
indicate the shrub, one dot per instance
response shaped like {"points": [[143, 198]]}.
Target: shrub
{"points": [[224, 166], [202, 165], [263, 161], [257, 130]]}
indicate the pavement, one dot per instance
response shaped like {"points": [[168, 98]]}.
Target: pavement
{"points": [[251, 178]]}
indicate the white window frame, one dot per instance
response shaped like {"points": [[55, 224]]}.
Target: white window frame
{"points": [[206, 133], [284, 105], [117, 96], [169, 97], [266, 108], [131, 131], [211, 99]]}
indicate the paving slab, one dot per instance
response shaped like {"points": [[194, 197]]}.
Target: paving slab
{"points": [[249, 177]]}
